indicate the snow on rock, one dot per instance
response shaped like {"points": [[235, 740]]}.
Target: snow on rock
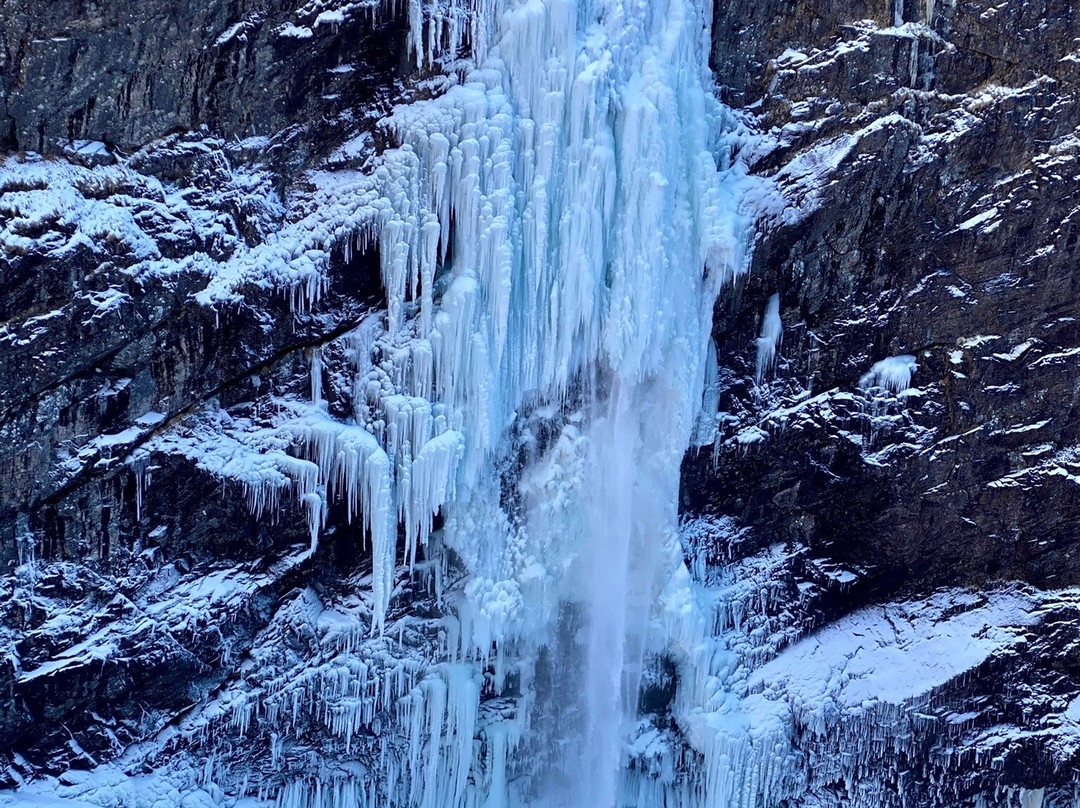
{"points": [[897, 652], [62, 200], [291, 31], [870, 685], [119, 212]]}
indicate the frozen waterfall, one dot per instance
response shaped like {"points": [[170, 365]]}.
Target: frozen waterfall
{"points": [[593, 233], [553, 229]]}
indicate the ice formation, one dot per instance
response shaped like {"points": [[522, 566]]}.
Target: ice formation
{"points": [[768, 343], [553, 231], [892, 374]]}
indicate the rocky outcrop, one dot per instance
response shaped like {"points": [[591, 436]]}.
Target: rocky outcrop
{"points": [[105, 629], [923, 162], [125, 73]]}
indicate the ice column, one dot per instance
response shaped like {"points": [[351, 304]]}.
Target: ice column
{"points": [[772, 329], [553, 231], [566, 195]]}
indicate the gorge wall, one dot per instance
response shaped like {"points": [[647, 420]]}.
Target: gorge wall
{"points": [[878, 517]]}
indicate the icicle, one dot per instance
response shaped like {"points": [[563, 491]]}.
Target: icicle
{"points": [[772, 330], [705, 432], [316, 376], [140, 467]]}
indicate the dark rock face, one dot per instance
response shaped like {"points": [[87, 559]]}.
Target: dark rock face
{"points": [[929, 190], [939, 225], [101, 356], [126, 72]]}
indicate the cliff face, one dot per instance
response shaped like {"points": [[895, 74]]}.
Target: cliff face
{"points": [[106, 239], [926, 173], [924, 156], [129, 72], [904, 468]]}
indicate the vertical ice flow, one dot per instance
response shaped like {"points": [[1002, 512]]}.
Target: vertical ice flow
{"points": [[593, 231], [553, 231], [772, 329], [567, 194]]}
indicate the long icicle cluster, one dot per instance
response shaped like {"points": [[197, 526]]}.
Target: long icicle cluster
{"points": [[556, 214]]}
